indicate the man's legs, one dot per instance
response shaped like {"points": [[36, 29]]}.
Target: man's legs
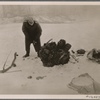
{"points": [[37, 46], [27, 47]]}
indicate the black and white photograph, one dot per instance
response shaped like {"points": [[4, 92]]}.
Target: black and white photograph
{"points": [[49, 49]]}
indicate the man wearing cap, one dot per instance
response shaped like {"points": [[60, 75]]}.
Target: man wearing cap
{"points": [[32, 31]]}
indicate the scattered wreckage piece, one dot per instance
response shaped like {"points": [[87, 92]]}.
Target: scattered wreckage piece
{"points": [[55, 54], [94, 55], [85, 84], [12, 64], [73, 56], [81, 51]]}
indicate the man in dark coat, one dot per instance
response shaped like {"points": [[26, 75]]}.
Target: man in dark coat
{"points": [[32, 31]]}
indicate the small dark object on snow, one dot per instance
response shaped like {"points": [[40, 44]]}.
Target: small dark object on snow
{"points": [[14, 65], [81, 51], [29, 77], [54, 54], [40, 77], [72, 51]]}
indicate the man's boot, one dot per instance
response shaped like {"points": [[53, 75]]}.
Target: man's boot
{"points": [[26, 55]]}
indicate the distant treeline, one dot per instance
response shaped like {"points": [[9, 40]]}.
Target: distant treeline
{"points": [[7, 11]]}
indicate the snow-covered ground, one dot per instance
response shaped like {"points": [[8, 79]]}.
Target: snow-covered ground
{"points": [[47, 80]]}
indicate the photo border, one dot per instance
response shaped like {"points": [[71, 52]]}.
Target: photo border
{"points": [[49, 2]]}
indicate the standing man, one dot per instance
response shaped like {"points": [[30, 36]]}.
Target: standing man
{"points": [[32, 31]]}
